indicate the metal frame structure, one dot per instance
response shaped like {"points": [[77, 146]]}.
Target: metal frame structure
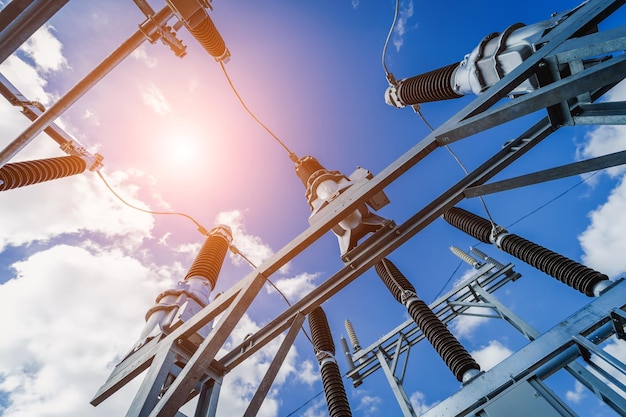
{"points": [[390, 352], [568, 101]]}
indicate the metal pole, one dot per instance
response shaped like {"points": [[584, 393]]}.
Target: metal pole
{"points": [[396, 388], [272, 371], [83, 85], [16, 28]]}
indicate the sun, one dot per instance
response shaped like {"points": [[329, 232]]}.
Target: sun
{"points": [[185, 149]]}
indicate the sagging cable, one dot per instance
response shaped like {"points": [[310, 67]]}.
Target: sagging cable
{"points": [[292, 156], [201, 228]]}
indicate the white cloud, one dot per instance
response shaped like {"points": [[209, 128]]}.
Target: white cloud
{"points": [[154, 98], [70, 314], [252, 247], [297, 287], [45, 50], [317, 408], [464, 325], [607, 139], [27, 81], [404, 15], [418, 401], [604, 237], [617, 349], [141, 54], [368, 404], [491, 355], [308, 372], [73, 205], [577, 394]]}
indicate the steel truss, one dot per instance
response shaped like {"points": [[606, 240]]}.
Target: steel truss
{"points": [[567, 99]]}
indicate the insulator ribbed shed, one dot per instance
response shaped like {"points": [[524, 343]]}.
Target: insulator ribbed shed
{"points": [[320, 331], [20, 174], [395, 280], [431, 86], [346, 351], [209, 261], [568, 271], [352, 335], [458, 360], [470, 223], [486, 257], [209, 37], [465, 257], [194, 16], [336, 398]]}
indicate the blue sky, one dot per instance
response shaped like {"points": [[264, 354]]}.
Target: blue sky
{"points": [[79, 269]]}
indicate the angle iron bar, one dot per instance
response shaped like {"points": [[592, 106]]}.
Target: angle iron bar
{"points": [[527, 362], [488, 316], [24, 24], [594, 44], [563, 171], [272, 371], [615, 119], [610, 113], [16, 98], [208, 398], [601, 353], [608, 375], [396, 355], [76, 92], [469, 304], [125, 372], [405, 364], [598, 387], [607, 72], [396, 388], [550, 397], [508, 315], [148, 392]]}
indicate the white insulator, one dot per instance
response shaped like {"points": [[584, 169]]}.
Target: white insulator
{"points": [[486, 257], [352, 335], [346, 350], [465, 257]]}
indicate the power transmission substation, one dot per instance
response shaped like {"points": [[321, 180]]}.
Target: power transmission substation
{"points": [[561, 67]]}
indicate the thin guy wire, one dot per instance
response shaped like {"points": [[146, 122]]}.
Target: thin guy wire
{"points": [[417, 110], [305, 403], [292, 155], [201, 228], [393, 24]]}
